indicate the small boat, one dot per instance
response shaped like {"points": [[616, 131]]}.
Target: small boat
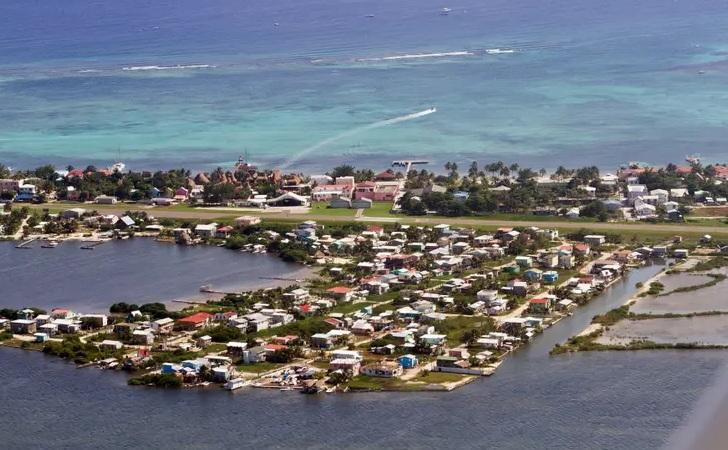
{"points": [[236, 383], [369, 16], [445, 11], [50, 244], [276, 24]]}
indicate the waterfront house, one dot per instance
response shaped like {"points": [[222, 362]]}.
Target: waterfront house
{"points": [[124, 223], [110, 345], [23, 326], [541, 305], [255, 355], [92, 321], [350, 365], [384, 369], [206, 231], [195, 321]]}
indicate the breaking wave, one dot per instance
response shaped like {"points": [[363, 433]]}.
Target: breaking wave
{"points": [[416, 56], [175, 67]]}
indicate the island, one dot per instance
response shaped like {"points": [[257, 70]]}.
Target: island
{"points": [[422, 281]]}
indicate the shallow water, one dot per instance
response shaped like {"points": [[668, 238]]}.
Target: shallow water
{"points": [[134, 271], [705, 330], [707, 299]]}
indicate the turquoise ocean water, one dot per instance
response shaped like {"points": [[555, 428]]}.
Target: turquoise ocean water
{"points": [[314, 83]]}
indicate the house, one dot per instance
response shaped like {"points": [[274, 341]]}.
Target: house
{"points": [[362, 328], [341, 293], [581, 249], [635, 191], [408, 361], [246, 221], [644, 210], [206, 231], [433, 339], [533, 275], [346, 354], [73, 213], [346, 365], [124, 330], [524, 261], [321, 340], [223, 231], [91, 321], [204, 341], [236, 348], [378, 191], [297, 295], [142, 337], [106, 200], [110, 345], [540, 305], [163, 326], [550, 277], [680, 253], [125, 222], [384, 369], [195, 321], [595, 240], [23, 326], [255, 355]]}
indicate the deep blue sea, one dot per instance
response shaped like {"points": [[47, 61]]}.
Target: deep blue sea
{"points": [[310, 83]]}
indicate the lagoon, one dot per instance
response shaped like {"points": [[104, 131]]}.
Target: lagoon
{"points": [[137, 270]]}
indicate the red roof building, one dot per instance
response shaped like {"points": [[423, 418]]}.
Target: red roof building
{"points": [[197, 320]]}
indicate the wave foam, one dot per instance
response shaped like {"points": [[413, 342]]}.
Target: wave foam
{"points": [[416, 56], [499, 51], [176, 67]]}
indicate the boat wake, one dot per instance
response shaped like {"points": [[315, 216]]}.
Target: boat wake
{"points": [[352, 132], [416, 56], [175, 67]]}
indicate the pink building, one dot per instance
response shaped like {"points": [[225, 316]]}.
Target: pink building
{"points": [[381, 191], [327, 192]]}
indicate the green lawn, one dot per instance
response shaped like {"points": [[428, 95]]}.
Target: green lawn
{"points": [[346, 308], [259, 367], [379, 209], [322, 209]]}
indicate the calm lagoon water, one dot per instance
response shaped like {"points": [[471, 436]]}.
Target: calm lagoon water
{"points": [[133, 271], [619, 400], [168, 83]]}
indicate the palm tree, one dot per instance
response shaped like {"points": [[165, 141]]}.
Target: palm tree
{"points": [[473, 171]]}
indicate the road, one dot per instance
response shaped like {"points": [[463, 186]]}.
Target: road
{"points": [[223, 213]]}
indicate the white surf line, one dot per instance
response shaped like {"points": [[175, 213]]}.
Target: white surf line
{"points": [[371, 126], [416, 56]]}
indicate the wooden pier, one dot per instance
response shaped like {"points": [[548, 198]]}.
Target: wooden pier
{"points": [[24, 245]]}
